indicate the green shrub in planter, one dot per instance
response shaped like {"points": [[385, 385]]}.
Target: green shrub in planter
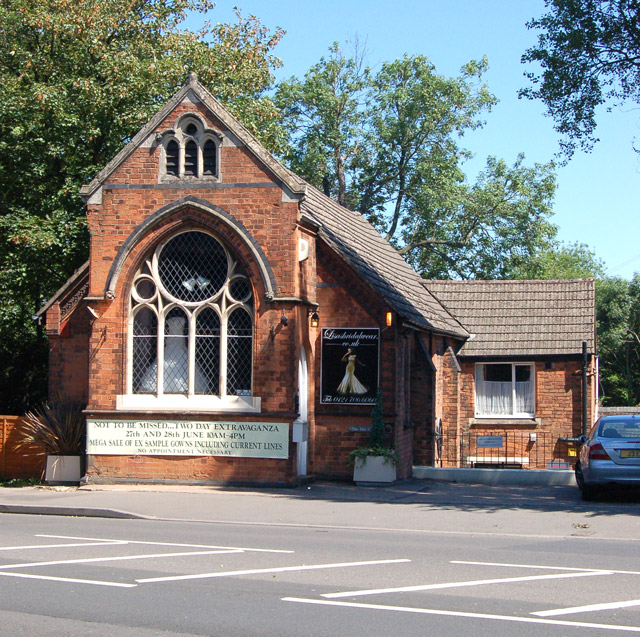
{"points": [[54, 429], [376, 446]]}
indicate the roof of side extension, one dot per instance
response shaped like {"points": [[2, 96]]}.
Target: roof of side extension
{"points": [[522, 318]]}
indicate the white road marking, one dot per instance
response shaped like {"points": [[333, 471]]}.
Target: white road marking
{"points": [[447, 613], [547, 567], [479, 582], [68, 579], [195, 546], [587, 609], [29, 547], [116, 558], [259, 571]]}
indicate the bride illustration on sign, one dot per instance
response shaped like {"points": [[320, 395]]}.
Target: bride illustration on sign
{"points": [[350, 384]]}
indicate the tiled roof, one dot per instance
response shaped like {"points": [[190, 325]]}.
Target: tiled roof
{"points": [[378, 263], [522, 318]]}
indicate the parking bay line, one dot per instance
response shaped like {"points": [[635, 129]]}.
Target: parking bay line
{"points": [[29, 547], [479, 582], [448, 613], [195, 546], [587, 609], [259, 571], [547, 567], [68, 579], [117, 558]]}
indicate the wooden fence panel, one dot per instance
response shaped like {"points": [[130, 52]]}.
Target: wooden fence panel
{"points": [[14, 464]]}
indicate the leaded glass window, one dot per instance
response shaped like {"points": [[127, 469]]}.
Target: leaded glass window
{"points": [[173, 158], [191, 308], [191, 159], [239, 337], [209, 156], [208, 351], [145, 335], [190, 151]]}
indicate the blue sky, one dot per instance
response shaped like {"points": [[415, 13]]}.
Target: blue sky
{"points": [[598, 198]]}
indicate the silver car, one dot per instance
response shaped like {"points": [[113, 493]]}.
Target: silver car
{"points": [[610, 455]]}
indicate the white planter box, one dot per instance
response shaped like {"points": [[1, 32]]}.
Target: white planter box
{"points": [[374, 471], [62, 470]]}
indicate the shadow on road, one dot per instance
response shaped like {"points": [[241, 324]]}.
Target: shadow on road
{"points": [[474, 497]]}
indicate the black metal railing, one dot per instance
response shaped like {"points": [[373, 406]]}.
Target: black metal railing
{"points": [[508, 449]]}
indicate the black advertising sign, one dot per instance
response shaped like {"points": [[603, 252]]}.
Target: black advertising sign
{"points": [[350, 365]]}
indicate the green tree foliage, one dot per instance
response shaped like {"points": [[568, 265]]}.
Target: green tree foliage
{"points": [[618, 320], [484, 230], [323, 116], [561, 261], [389, 145], [79, 78], [589, 51], [416, 118]]}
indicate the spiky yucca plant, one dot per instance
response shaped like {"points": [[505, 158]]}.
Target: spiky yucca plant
{"points": [[57, 428]]}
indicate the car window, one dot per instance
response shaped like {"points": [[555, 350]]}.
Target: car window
{"points": [[620, 428]]}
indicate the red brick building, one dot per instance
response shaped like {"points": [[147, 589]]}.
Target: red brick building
{"points": [[233, 324]]}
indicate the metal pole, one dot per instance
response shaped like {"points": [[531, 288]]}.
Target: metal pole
{"points": [[585, 389]]}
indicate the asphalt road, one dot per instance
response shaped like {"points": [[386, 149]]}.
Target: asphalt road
{"points": [[92, 576]]}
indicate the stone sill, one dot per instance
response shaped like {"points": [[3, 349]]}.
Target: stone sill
{"points": [[500, 422], [179, 403]]}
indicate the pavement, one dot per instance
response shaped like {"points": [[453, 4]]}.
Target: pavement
{"points": [[422, 506]]}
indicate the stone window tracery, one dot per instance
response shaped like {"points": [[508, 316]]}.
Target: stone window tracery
{"points": [[189, 151], [190, 321]]}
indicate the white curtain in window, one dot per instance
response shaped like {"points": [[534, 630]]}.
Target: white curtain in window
{"points": [[494, 398], [524, 397]]}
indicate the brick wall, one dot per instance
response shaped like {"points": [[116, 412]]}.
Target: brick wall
{"points": [[451, 381], [558, 396], [422, 407], [403, 438], [558, 405], [69, 353], [345, 301]]}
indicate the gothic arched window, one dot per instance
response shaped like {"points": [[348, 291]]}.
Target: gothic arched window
{"points": [[191, 321], [190, 151], [173, 158], [191, 159], [209, 157]]}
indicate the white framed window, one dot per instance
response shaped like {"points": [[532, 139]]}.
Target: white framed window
{"points": [[190, 151], [505, 390], [190, 329]]}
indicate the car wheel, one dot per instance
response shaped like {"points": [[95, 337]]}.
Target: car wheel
{"points": [[588, 493]]}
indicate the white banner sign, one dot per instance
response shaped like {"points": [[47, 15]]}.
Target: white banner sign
{"points": [[188, 438]]}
